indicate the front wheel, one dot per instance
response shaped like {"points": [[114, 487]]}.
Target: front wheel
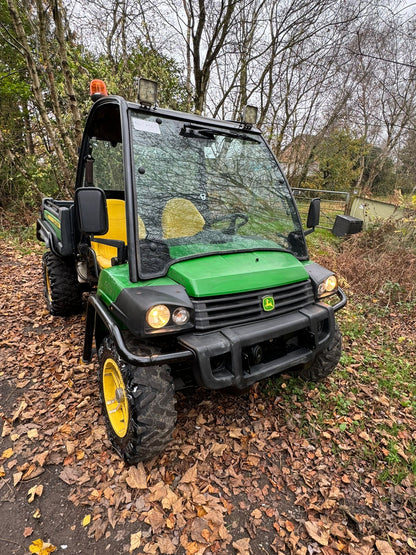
{"points": [[138, 405], [326, 362]]}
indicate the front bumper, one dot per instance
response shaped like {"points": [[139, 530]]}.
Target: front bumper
{"points": [[239, 356]]}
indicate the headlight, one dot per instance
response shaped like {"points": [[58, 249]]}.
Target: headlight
{"points": [[158, 316], [327, 287], [180, 316]]}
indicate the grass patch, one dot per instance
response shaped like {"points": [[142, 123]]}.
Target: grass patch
{"points": [[368, 406], [18, 229], [22, 238]]}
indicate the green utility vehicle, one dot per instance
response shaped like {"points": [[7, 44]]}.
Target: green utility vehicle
{"points": [[185, 233]]}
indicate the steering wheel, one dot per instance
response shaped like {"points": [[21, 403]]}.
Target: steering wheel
{"points": [[232, 218]]}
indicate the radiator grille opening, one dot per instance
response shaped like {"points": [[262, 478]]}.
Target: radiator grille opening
{"points": [[227, 310]]}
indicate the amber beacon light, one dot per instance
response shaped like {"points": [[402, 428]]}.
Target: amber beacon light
{"points": [[97, 89]]}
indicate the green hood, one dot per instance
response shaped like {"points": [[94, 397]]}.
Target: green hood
{"points": [[236, 273]]}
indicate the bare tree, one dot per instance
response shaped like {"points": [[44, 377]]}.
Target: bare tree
{"points": [[385, 96], [52, 122]]}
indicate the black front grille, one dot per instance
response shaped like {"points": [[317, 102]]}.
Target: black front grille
{"points": [[228, 310]]}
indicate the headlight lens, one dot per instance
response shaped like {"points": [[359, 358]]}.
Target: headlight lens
{"points": [[327, 287], [158, 316], [180, 316]]}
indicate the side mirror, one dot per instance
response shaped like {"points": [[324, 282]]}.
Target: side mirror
{"points": [[91, 210], [313, 215]]}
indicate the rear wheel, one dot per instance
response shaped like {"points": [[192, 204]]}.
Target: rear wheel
{"points": [[61, 290], [326, 362], [138, 405]]}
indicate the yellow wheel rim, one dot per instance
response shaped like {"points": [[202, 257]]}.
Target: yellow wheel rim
{"points": [[48, 286], [115, 397]]}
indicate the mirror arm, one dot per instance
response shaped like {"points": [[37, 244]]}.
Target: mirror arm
{"points": [[309, 231]]}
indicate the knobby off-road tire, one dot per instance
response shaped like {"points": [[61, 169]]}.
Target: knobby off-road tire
{"points": [[326, 362], [141, 420], [61, 289]]}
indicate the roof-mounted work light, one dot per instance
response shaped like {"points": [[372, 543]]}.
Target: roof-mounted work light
{"points": [[250, 115], [97, 89], [147, 92]]}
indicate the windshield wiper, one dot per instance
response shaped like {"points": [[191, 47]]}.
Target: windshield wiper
{"points": [[194, 131]]}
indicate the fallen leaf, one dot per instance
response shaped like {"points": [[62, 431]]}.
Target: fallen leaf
{"points": [[40, 547], [86, 520], [18, 412], [384, 548], [21, 385], [65, 428], [136, 477], [190, 475], [69, 475], [200, 421], [37, 514], [365, 547], [200, 530], [195, 548], [218, 449], [165, 545], [339, 531], [253, 460], [242, 546], [235, 433], [70, 447], [17, 476], [150, 548], [411, 543], [28, 531], [33, 472], [289, 526], [41, 458], [135, 541], [316, 533], [98, 528], [256, 514], [155, 519], [36, 490], [7, 453], [7, 428]]}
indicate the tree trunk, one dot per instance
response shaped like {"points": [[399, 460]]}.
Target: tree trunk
{"points": [[57, 11], [38, 95]]}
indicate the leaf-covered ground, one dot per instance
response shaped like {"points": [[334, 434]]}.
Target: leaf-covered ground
{"points": [[286, 467]]}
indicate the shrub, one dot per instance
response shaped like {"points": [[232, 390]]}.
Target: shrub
{"points": [[379, 262]]}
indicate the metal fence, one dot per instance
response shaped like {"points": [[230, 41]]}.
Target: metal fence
{"points": [[332, 204]]}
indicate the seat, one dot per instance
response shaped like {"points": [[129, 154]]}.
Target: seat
{"points": [[117, 231], [181, 218]]}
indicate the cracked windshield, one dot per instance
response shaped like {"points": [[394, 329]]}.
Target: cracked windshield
{"points": [[204, 190]]}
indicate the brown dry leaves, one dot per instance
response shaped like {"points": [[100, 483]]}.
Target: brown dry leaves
{"points": [[237, 478]]}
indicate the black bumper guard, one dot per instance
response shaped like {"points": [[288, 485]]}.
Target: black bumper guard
{"points": [[233, 340], [343, 300]]}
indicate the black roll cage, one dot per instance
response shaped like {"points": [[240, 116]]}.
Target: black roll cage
{"points": [[123, 134]]}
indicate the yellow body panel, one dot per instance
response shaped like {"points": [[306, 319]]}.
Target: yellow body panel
{"points": [[116, 230]]}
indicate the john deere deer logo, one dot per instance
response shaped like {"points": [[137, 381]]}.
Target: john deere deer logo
{"points": [[268, 304]]}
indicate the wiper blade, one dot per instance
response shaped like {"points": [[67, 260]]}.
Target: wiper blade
{"points": [[194, 131]]}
